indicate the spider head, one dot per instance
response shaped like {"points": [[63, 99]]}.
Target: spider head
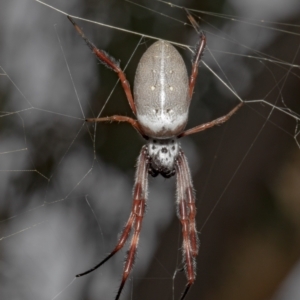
{"points": [[162, 155]]}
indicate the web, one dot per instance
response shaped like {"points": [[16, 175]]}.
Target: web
{"points": [[65, 186]]}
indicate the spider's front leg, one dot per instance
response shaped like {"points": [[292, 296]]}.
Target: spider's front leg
{"points": [[186, 213], [135, 219], [139, 200]]}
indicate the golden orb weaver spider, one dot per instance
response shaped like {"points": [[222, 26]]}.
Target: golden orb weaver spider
{"points": [[162, 95]]}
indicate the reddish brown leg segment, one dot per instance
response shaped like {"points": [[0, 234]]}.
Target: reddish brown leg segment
{"points": [[140, 194], [192, 219], [186, 214], [199, 52], [140, 210], [134, 123], [135, 219], [195, 66], [109, 62], [212, 123]]}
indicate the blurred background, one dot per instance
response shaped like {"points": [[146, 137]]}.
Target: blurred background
{"points": [[66, 186]]}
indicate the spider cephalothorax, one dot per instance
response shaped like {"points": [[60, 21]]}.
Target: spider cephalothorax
{"points": [[162, 95], [162, 156]]}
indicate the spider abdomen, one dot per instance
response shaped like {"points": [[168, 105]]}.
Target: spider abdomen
{"points": [[161, 91]]}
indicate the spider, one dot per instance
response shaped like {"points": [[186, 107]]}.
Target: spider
{"points": [[162, 95]]}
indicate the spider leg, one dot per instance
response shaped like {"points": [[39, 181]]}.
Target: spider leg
{"points": [[210, 124], [193, 21], [186, 214], [135, 219], [109, 62], [190, 202], [196, 60], [134, 123], [140, 194], [123, 238]]}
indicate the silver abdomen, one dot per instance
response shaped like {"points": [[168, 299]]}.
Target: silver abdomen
{"points": [[161, 91]]}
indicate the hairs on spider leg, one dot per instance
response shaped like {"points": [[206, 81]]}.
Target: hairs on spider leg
{"points": [[103, 54]]}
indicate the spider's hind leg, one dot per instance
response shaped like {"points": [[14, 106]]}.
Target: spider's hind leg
{"points": [[198, 54], [110, 63]]}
